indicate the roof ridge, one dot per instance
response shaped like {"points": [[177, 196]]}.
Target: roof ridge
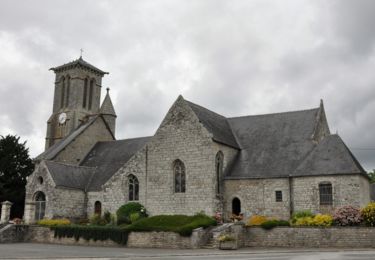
{"points": [[118, 140], [356, 162], [70, 165], [279, 113], [79, 61], [205, 108], [91, 119]]}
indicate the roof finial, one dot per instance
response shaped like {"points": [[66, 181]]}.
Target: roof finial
{"points": [[81, 53], [107, 90]]}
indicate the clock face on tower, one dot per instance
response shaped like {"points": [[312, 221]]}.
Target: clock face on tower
{"points": [[62, 118]]}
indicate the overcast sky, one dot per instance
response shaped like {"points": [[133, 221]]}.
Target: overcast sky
{"points": [[233, 57]]}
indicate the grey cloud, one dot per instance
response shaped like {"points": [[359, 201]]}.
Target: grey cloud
{"points": [[234, 57]]}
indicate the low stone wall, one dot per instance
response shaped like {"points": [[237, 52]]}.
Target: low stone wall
{"points": [[349, 237], [199, 238], [13, 233], [37, 234], [168, 239], [158, 240]]}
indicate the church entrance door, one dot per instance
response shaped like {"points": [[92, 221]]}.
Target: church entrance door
{"points": [[236, 206], [40, 205]]}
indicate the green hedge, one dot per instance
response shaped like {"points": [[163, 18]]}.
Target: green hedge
{"points": [[180, 224], [269, 224], [95, 233], [125, 211]]}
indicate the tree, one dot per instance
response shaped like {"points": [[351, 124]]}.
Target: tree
{"points": [[372, 176], [15, 166]]}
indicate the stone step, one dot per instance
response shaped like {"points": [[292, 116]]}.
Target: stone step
{"points": [[211, 244]]}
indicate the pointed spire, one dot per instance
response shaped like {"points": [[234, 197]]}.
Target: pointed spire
{"points": [[107, 106]]}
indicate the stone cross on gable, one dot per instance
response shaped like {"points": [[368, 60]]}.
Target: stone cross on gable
{"points": [[81, 52]]}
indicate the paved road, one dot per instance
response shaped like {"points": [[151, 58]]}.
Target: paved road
{"points": [[47, 251]]}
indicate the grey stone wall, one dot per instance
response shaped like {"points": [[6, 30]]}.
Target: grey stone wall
{"points": [[60, 202], [47, 187], [257, 196], [79, 147], [115, 191], [347, 190], [158, 240], [180, 136], [12, 233], [68, 203], [348, 237], [75, 111], [37, 234]]}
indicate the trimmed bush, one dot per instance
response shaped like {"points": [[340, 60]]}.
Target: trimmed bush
{"points": [[347, 216], [318, 220], [303, 221], [256, 220], [97, 220], [180, 224], [107, 217], [124, 212], [301, 214], [94, 233], [368, 214], [134, 217], [269, 224], [53, 222], [322, 220]]}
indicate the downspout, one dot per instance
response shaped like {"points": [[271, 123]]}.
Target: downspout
{"points": [[291, 203]]}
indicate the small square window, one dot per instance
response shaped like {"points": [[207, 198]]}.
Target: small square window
{"points": [[279, 195]]}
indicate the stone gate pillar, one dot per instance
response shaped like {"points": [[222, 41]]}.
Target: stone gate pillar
{"points": [[5, 211], [29, 215]]}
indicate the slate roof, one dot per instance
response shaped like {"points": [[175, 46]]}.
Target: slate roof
{"points": [[107, 157], [77, 63], [215, 124], [330, 156], [70, 176], [273, 144], [107, 106], [269, 146], [103, 160], [52, 151]]}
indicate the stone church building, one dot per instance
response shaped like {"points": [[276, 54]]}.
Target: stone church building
{"points": [[198, 160]]}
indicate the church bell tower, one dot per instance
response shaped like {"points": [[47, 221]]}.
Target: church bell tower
{"points": [[76, 98]]}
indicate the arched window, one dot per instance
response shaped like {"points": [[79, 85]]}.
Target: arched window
{"points": [[67, 91], [40, 180], [325, 193], [219, 163], [236, 206], [179, 176], [98, 208], [85, 93], [133, 188], [62, 92], [91, 92], [40, 205]]}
